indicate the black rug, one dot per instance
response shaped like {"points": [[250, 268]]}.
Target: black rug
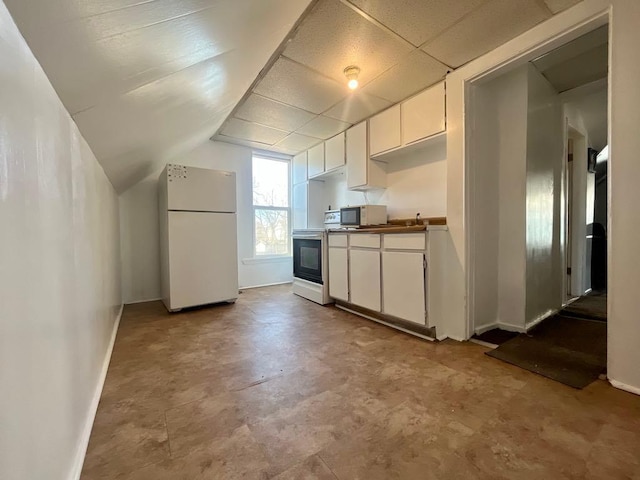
{"points": [[572, 351], [496, 336], [592, 306]]}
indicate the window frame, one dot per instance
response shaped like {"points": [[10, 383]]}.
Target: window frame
{"points": [[254, 207]]}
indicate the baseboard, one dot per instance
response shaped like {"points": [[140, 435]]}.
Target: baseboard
{"points": [[511, 328], [486, 328], [266, 285], [624, 386], [143, 301], [502, 326], [83, 443], [387, 324], [542, 317]]}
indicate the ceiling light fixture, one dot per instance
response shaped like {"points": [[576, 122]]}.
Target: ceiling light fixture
{"points": [[351, 72]]}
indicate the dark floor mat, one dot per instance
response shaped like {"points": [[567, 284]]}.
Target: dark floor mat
{"points": [[569, 350], [592, 306], [496, 336]]}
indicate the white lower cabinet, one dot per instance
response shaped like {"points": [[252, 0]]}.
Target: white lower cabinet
{"points": [[364, 273], [339, 273], [403, 281]]}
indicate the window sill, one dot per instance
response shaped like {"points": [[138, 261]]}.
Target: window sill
{"points": [[266, 259]]}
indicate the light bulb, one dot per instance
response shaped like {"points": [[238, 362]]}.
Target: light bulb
{"points": [[351, 73]]}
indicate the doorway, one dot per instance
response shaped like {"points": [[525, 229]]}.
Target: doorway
{"points": [[535, 132]]}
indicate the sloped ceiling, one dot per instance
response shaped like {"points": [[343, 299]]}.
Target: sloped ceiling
{"points": [[147, 80]]}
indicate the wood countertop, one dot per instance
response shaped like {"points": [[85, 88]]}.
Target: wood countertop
{"points": [[381, 229], [397, 226]]}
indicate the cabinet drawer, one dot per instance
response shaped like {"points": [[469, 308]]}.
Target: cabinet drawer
{"points": [[405, 241], [337, 240], [366, 240]]}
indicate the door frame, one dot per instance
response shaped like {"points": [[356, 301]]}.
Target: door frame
{"points": [[539, 41]]}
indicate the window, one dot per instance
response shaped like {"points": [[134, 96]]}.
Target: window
{"points": [[271, 206]]}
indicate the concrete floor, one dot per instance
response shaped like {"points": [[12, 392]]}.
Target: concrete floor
{"points": [[278, 387]]}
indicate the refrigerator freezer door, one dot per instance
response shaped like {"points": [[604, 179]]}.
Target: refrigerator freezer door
{"points": [[203, 258], [200, 189]]}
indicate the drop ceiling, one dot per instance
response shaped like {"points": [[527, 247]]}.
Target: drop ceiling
{"points": [[400, 46], [579, 62], [148, 80]]}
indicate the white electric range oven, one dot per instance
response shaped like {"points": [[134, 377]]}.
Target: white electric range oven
{"points": [[310, 262]]}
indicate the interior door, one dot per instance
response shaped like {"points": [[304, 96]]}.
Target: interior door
{"points": [[203, 258]]}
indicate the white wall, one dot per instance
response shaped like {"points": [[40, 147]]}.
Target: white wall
{"points": [[624, 169], [140, 234], [499, 195], [545, 218], [59, 275], [140, 248], [416, 183]]}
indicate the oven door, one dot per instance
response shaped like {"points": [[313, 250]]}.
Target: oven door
{"points": [[350, 217], [307, 259]]}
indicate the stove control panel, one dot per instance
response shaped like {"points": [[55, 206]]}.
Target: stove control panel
{"points": [[332, 217]]}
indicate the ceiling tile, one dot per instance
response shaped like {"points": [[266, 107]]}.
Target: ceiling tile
{"points": [[296, 85], [334, 36], [274, 114], [252, 131], [582, 69], [558, 5], [357, 107], [581, 45], [296, 142], [243, 142], [415, 72], [485, 29], [417, 20], [323, 127]]}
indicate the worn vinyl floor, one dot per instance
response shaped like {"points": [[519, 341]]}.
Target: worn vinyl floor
{"points": [[278, 387]]}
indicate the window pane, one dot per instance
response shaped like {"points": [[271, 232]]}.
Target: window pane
{"points": [[270, 182], [272, 232]]}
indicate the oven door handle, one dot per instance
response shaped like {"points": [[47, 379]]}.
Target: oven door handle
{"points": [[307, 236]]}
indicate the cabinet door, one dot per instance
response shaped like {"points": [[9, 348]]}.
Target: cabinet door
{"points": [[316, 160], [299, 168], [357, 155], [299, 203], [424, 114], [334, 152], [338, 274], [403, 286], [364, 273], [384, 130]]}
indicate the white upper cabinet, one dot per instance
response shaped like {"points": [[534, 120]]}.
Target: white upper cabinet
{"points": [[384, 131], [362, 172], [357, 155], [316, 160], [299, 174], [424, 114], [334, 154]]}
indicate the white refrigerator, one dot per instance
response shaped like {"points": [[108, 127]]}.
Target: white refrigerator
{"points": [[198, 236]]}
